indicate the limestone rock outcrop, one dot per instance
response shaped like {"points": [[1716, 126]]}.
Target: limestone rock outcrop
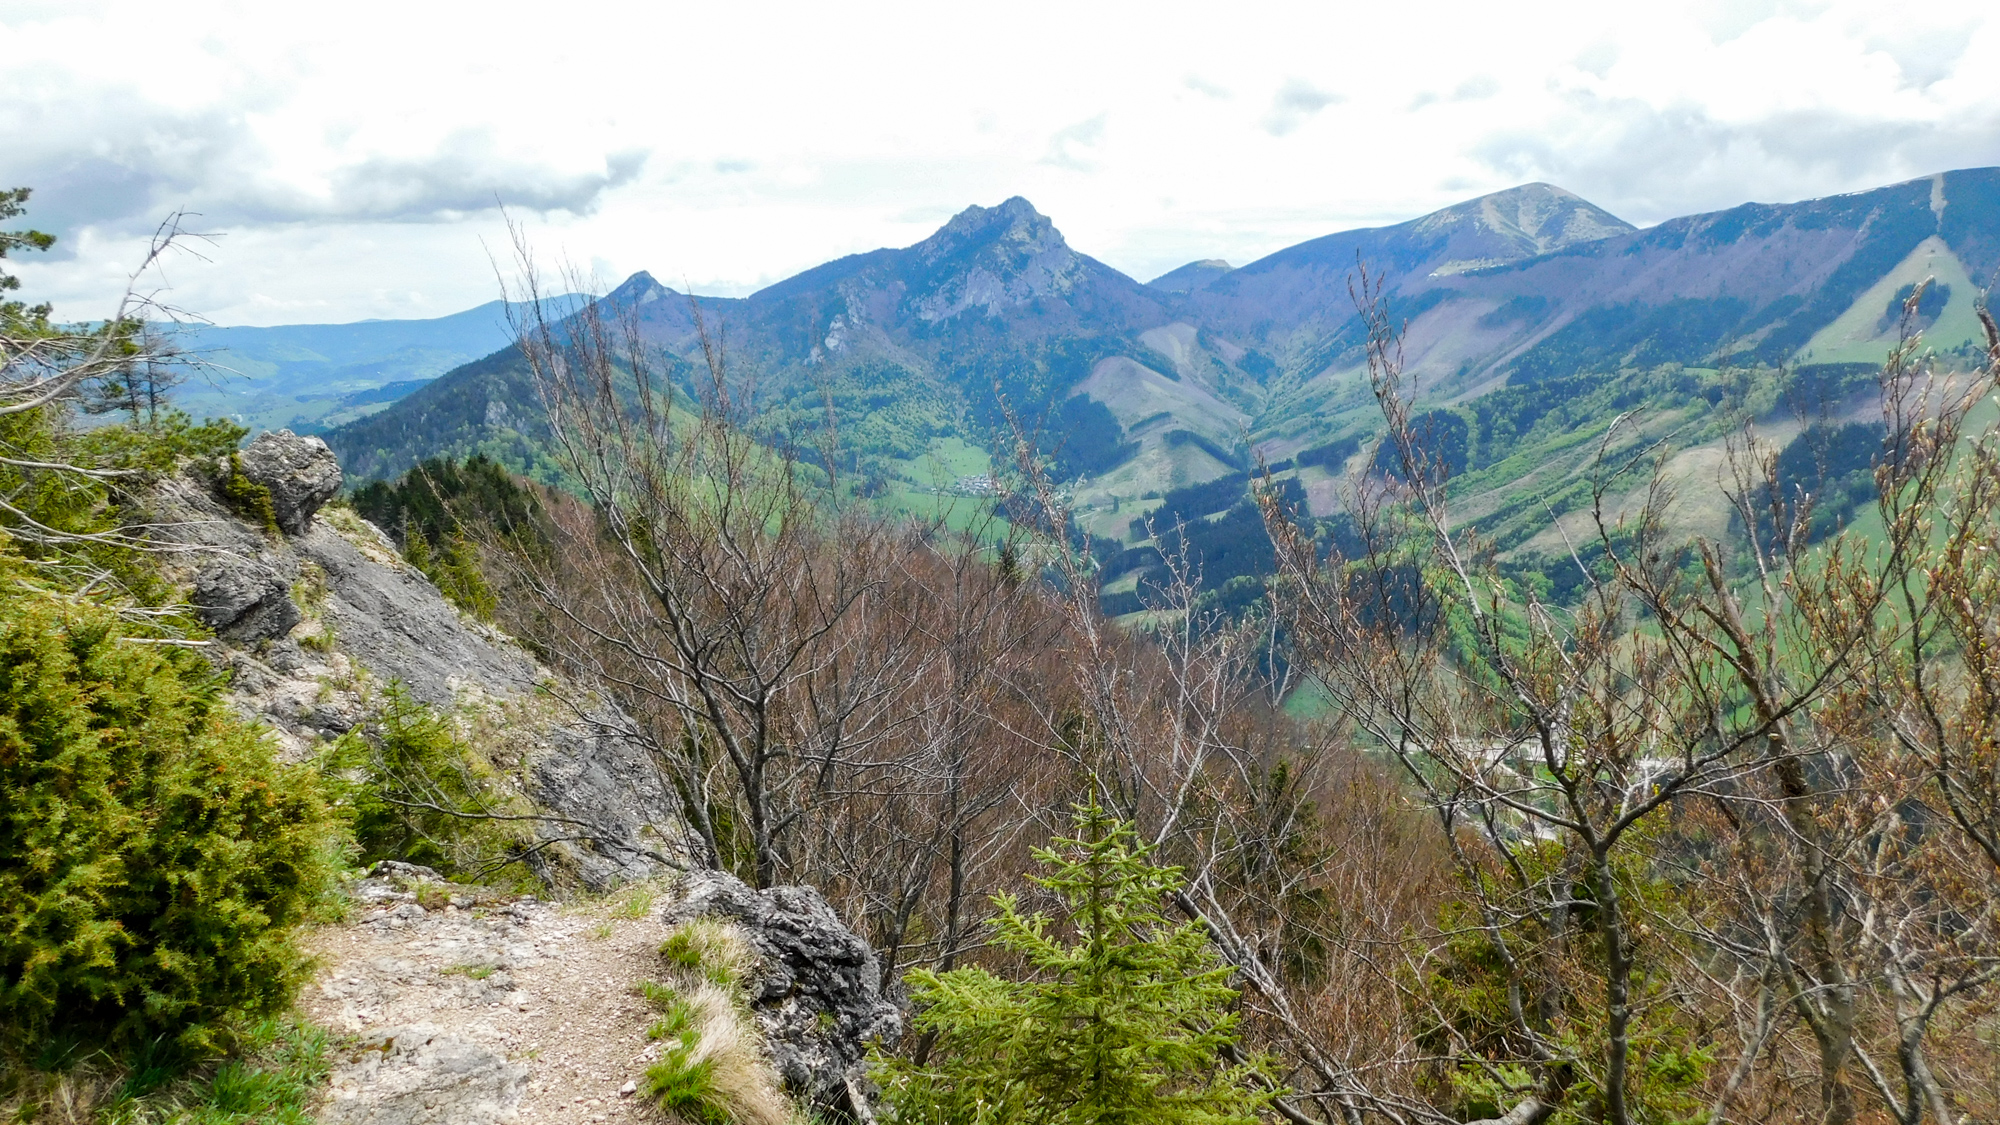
{"points": [[244, 600], [421, 1075], [818, 993], [314, 625]]}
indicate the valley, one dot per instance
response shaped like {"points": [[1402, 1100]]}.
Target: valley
{"points": [[1531, 315], [1050, 565]]}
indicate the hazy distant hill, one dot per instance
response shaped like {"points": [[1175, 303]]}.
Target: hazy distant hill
{"points": [[1533, 318], [1190, 277], [1301, 286], [1761, 283], [309, 376]]}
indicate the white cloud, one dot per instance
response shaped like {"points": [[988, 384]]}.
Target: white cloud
{"points": [[1294, 102], [1206, 88], [350, 152], [1079, 147]]}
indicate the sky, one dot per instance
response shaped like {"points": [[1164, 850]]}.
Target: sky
{"points": [[350, 160]]}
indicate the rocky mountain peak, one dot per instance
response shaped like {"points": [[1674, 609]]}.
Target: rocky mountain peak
{"points": [[1520, 222], [1014, 223], [992, 258], [638, 289], [1548, 217]]}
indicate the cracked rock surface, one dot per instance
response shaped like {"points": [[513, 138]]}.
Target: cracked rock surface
{"points": [[424, 1076], [301, 473], [316, 623]]}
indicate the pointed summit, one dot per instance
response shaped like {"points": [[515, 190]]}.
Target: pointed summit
{"points": [[994, 258], [1520, 222], [639, 282], [1014, 222], [637, 290]]}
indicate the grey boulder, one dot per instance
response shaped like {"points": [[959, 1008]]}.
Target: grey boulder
{"points": [[301, 473], [818, 992], [244, 600]]}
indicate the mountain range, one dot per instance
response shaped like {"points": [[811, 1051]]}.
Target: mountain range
{"points": [[1531, 313], [310, 377]]}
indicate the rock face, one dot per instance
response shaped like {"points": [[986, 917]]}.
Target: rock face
{"points": [[314, 625], [818, 995], [301, 473], [244, 600]]}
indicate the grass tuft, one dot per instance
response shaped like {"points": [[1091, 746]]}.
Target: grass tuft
{"points": [[273, 1082], [712, 1071], [711, 950], [636, 903]]}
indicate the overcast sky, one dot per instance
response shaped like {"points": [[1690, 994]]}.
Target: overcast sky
{"points": [[349, 155]]}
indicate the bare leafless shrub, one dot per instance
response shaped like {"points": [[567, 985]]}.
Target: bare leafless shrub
{"points": [[1710, 796], [887, 711]]}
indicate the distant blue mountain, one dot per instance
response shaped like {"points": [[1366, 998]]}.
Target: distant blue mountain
{"points": [[312, 376]]}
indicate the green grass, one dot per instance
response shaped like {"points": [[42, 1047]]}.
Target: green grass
{"points": [[281, 1065], [681, 1083], [945, 461], [1123, 584], [275, 1085], [635, 904], [1857, 336], [1309, 701], [957, 513], [686, 1088], [709, 950]]}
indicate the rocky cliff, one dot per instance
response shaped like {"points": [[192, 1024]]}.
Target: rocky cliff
{"points": [[315, 620]]}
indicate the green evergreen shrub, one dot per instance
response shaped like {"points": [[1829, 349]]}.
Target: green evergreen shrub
{"points": [[411, 789], [430, 509], [247, 498], [1127, 1024], [154, 855], [453, 568]]}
